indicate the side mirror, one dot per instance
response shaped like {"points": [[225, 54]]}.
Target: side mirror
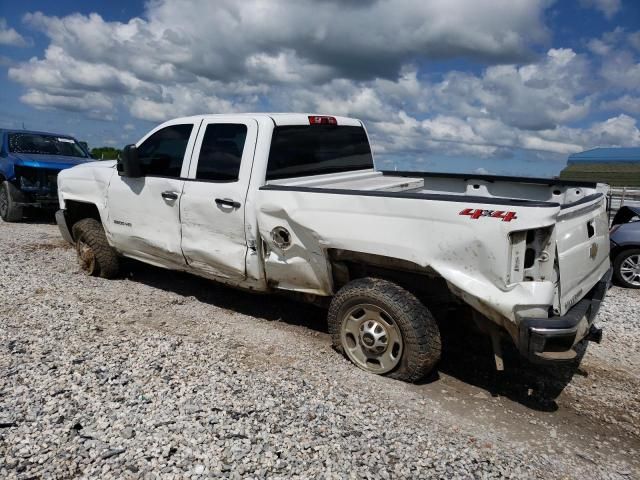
{"points": [[129, 165]]}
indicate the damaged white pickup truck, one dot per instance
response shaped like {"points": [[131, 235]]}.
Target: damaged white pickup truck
{"points": [[293, 202]]}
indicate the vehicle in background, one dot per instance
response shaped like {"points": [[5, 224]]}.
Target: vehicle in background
{"points": [[293, 203], [625, 246], [29, 166]]}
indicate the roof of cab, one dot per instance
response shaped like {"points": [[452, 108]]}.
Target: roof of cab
{"points": [[278, 118]]}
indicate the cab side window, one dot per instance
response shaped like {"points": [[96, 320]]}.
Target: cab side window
{"points": [[162, 153], [221, 152]]}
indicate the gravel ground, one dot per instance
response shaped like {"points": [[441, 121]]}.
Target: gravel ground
{"points": [[166, 375]]}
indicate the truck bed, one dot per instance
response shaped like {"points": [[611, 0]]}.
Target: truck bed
{"points": [[492, 189]]}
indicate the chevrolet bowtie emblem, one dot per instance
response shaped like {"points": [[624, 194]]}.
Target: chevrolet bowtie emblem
{"points": [[593, 251]]}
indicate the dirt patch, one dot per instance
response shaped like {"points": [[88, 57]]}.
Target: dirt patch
{"points": [[44, 247]]}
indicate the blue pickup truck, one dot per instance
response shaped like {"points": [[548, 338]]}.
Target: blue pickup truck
{"points": [[29, 166]]}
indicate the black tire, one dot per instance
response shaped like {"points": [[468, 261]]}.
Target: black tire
{"points": [[630, 256], [95, 255], [421, 344], [9, 211]]}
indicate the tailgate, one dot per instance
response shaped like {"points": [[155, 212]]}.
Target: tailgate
{"points": [[582, 242]]}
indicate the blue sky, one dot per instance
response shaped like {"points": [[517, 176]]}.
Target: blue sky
{"points": [[499, 86]]}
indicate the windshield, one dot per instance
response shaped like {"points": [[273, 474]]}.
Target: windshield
{"points": [[45, 145], [302, 150]]}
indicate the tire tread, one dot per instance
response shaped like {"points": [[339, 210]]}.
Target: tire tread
{"points": [[93, 234], [421, 336], [14, 213]]}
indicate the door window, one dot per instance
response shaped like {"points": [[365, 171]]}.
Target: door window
{"points": [[162, 153], [221, 152]]}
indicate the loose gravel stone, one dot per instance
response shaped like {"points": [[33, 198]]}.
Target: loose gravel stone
{"points": [[160, 374]]}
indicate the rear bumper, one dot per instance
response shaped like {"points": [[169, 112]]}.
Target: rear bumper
{"points": [[61, 220], [552, 339]]}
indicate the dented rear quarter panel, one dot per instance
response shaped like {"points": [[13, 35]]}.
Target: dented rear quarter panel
{"points": [[471, 254]]}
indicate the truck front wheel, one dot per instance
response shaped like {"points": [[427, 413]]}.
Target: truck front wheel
{"points": [[95, 255], [384, 329], [9, 211]]}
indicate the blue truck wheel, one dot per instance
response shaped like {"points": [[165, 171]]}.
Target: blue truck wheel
{"points": [[9, 211]]}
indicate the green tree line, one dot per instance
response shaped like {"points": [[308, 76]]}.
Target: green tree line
{"points": [[105, 153]]}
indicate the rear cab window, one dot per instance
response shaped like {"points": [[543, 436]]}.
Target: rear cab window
{"points": [[221, 152], [304, 150]]}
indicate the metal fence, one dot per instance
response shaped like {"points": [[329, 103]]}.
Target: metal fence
{"points": [[621, 196]]}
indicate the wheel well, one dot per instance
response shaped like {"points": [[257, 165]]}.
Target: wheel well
{"points": [[622, 248], [424, 282], [76, 211]]}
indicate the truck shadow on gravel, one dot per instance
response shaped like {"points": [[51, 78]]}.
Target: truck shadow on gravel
{"points": [[467, 354], [266, 307], [37, 216]]}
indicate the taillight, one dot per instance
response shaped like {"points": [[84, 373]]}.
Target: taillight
{"points": [[532, 255], [322, 120]]}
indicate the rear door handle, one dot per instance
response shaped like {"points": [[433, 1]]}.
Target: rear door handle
{"points": [[168, 195], [227, 202]]}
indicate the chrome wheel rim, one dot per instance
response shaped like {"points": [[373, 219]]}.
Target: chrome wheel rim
{"points": [[630, 270], [371, 338], [86, 257]]}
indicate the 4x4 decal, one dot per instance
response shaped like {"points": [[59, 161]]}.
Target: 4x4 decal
{"points": [[476, 213]]}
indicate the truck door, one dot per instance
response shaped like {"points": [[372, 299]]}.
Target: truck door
{"points": [[144, 214], [212, 207]]}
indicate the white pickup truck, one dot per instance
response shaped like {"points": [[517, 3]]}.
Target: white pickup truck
{"points": [[293, 203]]}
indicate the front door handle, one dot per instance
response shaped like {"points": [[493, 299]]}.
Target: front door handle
{"points": [[227, 202], [169, 195]]}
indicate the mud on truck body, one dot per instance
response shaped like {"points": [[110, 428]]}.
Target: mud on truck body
{"points": [[293, 203], [29, 166]]}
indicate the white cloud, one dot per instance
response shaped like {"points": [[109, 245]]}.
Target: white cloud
{"points": [[608, 7], [9, 36], [634, 40], [625, 103], [620, 65], [620, 131], [366, 59], [535, 96], [90, 102], [224, 39]]}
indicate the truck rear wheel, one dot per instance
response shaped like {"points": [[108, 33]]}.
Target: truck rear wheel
{"points": [[95, 255], [384, 329], [9, 211]]}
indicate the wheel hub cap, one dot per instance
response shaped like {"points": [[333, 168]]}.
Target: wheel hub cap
{"points": [[373, 336], [630, 269]]}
